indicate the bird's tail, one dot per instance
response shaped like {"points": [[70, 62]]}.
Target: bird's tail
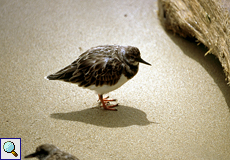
{"points": [[52, 77], [64, 74]]}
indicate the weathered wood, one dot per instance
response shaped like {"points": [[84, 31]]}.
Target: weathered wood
{"points": [[206, 20]]}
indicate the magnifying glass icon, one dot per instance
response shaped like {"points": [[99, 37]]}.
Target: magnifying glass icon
{"points": [[9, 147]]}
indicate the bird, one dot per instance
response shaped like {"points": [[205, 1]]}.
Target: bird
{"points": [[50, 152], [103, 69]]}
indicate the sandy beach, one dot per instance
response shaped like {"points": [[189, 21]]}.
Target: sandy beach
{"points": [[178, 108]]}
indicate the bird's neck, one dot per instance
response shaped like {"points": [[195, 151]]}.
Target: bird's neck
{"points": [[130, 71]]}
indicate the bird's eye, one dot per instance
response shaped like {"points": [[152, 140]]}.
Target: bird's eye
{"points": [[132, 57]]}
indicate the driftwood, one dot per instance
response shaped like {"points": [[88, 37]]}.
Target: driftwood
{"points": [[206, 20]]}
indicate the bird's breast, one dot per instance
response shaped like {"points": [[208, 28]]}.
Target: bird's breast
{"points": [[107, 88]]}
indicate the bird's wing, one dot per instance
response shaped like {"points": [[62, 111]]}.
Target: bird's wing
{"points": [[97, 69], [62, 156], [67, 72]]}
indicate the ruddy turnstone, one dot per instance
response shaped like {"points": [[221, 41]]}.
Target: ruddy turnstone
{"points": [[102, 69], [50, 152]]}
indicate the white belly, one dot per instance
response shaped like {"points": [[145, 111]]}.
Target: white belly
{"points": [[106, 88]]}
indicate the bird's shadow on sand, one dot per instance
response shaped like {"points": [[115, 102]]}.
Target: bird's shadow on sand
{"points": [[125, 116]]}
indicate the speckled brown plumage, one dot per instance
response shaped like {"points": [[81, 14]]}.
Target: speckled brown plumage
{"points": [[102, 68], [50, 152]]}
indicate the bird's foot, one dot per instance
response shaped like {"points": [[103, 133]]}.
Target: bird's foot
{"points": [[107, 107], [105, 103], [106, 99]]}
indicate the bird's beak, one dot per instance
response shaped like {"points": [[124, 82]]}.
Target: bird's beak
{"points": [[31, 155], [142, 61]]}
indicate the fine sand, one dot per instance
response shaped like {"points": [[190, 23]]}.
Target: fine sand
{"points": [[178, 108]]}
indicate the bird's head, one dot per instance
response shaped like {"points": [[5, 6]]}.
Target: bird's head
{"points": [[132, 56], [43, 151]]}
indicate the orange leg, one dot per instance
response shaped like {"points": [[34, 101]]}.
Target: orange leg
{"points": [[104, 101]]}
